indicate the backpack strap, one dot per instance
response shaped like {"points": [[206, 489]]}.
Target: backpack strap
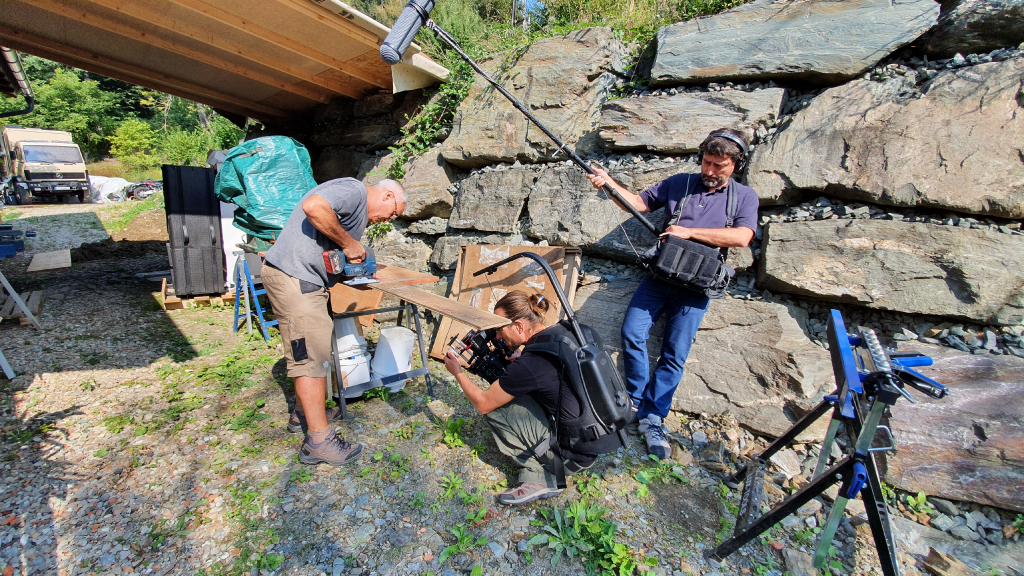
{"points": [[691, 185], [549, 344]]}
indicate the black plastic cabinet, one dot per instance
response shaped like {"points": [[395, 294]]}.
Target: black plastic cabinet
{"points": [[193, 228]]}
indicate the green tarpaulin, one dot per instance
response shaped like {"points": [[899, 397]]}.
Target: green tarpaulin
{"points": [[265, 178]]}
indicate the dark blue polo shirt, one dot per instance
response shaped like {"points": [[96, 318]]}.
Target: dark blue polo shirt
{"points": [[705, 209]]}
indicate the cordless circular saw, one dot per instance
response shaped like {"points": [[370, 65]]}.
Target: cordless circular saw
{"points": [[352, 273]]}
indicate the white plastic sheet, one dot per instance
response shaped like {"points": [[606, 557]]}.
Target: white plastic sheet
{"points": [[106, 189]]}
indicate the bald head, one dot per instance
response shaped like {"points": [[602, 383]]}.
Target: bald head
{"points": [[385, 200]]}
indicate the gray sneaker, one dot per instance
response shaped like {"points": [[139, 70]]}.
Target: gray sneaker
{"points": [[333, 451], [297, 420], [657, 442], [524, 492]]}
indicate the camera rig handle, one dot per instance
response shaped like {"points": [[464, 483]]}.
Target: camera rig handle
{"points": [[554, 282], [443, 35]]}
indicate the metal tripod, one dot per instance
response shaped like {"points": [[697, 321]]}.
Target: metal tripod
{"points": [[868, 382]]}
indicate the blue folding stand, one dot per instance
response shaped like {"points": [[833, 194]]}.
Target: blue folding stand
{"points": [[246, 288], [868, 381]]}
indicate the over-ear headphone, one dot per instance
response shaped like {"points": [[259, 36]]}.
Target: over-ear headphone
{"points": [[732, 138]]}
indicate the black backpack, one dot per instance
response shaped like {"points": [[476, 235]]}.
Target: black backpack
{"points": [[605, 406]]}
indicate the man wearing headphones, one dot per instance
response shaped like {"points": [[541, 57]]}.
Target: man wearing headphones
{"points": [[702, 218]]}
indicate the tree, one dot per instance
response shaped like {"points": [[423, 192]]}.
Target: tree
{"points": [[133, 143], [71, 104]]}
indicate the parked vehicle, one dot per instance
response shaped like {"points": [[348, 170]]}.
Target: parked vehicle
{"points": [[42, 164]]}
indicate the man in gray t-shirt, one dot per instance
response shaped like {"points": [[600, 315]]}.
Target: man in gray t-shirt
{"points": [[331, 216]]}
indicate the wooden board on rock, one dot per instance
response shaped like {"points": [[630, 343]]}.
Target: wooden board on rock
{"points": [[483, 291]]}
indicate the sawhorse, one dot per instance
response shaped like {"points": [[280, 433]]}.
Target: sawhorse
{"points": [[868, 382], [358, 389], [21, 304]]}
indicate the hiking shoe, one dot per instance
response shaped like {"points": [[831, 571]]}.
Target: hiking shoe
{"points": [[297, 420], [333, 451], [657, 442], [524, 492]]}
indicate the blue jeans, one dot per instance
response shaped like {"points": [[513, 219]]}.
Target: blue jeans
{"points": [[684, 311]]}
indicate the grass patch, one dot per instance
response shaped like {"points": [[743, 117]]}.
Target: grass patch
{"points": [[125, 212]]}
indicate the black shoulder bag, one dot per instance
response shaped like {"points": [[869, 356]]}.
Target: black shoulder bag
{"points": [[692, 265]]}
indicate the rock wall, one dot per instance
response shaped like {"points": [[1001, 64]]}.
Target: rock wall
{"points": [[891, 183]]}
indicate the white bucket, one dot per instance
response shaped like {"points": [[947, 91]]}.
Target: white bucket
{"points": [[356, 368], [347, 340], [394, 353]]}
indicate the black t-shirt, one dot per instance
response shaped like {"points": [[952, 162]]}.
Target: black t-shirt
{"points": [[538, 376]]}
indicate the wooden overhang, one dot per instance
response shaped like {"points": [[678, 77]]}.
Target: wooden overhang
{"points": [[266, 59]]}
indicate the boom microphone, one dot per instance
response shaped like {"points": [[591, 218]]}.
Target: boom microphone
{"points": [[414, 16]]}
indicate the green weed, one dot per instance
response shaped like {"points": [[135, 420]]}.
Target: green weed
{"points": [[115, 424], [383, 392], [451, 484], [463, 542], [301, 475], [584, 532], [452, 431]]}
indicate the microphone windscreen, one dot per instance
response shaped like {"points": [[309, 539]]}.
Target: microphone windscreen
{"points": [[402, 33]]}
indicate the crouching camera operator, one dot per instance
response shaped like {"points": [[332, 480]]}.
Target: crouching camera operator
{"points": [[520, 407]]}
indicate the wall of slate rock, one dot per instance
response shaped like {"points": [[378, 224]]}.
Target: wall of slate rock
{"points": [[889, 163]]}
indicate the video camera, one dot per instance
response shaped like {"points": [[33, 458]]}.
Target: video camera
{"points": [[485, 355]]}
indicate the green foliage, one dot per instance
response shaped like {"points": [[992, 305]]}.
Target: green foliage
{"points": [[374, 232], [452, 430], [247, 419], [919, 503], [102, 452], [134, 144], [418, 500], [1018, 523], [225, 135], [115, 424], [183, 148], [463, 542], [584, 532], [301, 475], [65, 102], [451, 484], [382, 392], [663, 471], [433, 122]]}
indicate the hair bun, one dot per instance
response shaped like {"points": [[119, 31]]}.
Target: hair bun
{"points": [[540, 304]]}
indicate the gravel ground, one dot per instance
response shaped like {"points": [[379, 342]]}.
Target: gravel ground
{"points": [[139, 440]]}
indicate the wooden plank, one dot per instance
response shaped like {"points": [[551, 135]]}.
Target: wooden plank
{"points": [[404, 275], [359, 298], [34, 303], [140, 35], [355, 299], [134, 10], [71, 56], [282, 41], [50, 261], [473, 317], [5, 312]]}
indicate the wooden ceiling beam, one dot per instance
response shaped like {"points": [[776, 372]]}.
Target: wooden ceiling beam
{"points": [[32, 44], [282, 41], [67, 11], [334, 21]]}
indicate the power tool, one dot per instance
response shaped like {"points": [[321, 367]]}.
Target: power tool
{"points": [[352, 273]]}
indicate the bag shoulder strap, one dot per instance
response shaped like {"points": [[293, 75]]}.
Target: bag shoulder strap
{"points": [[691, 184], [731, 203]]}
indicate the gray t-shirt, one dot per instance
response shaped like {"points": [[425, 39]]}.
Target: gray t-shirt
{"points": [[299, 249]]}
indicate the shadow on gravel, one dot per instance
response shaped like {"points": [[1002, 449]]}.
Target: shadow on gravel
{"points": [[27, 512]]}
